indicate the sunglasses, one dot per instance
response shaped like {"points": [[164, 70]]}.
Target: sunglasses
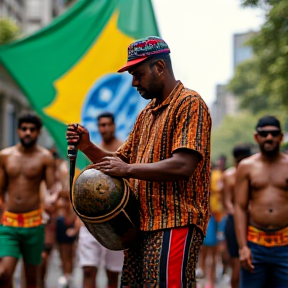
{"points": [[24, 129], [265, 133]]}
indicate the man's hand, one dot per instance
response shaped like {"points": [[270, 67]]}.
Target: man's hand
{"points": [[113, 166], [245, 258], [77, 135]]}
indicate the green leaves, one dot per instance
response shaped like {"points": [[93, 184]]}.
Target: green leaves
{"points": [[261, 83], [8, 31]]}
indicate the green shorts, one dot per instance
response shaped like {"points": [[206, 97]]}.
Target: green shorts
{"points": [[17, 241]]}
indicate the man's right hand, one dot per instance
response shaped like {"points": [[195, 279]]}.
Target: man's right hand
{"points": [[245, 258], [77, 135]]}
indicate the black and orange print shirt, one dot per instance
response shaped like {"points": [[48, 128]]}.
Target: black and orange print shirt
{"points": [[181, 121]]}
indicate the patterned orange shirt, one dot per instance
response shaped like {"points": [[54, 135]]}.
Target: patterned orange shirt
{"points": [[181, 121]]}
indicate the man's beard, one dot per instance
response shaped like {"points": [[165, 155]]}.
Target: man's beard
{"points": [[270, 153], [28, 144]]}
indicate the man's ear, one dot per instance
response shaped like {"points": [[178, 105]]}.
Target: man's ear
{"points": [[160, 65]]}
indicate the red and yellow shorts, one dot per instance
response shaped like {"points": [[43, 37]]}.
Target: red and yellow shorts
{"points": [[268, 238], [25, 220]]}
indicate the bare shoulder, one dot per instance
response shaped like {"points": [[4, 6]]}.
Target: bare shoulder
{"points": [[45, 154], [8, 151], [284, 159], [229, 172], [248, 164], [250, 161]]}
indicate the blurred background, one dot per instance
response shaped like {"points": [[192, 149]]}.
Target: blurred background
{"points": [[234, 53]]}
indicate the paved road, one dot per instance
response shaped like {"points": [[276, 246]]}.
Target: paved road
{"points": [[54, 272]]}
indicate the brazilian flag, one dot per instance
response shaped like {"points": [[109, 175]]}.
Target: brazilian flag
{"points": [[68, 69]]}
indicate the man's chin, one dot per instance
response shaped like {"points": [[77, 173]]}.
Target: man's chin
{"points": [[272, 152], [28, 144], [146, 97]]}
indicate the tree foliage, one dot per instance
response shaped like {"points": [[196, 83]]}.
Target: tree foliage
{"points": [[234, 130], [8, 31], [261, 82]]}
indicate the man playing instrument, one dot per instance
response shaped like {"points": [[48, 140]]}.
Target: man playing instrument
{"points": [[167, 159], [261, 214], [22, 168]]}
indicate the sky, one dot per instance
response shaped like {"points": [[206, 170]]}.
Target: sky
{"points": [[200, 36]]}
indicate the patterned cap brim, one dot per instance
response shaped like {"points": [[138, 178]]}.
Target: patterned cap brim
{"points": [[131, 63]]}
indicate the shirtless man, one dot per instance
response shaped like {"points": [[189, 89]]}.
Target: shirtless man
{"points": [[240, 152], [261, 214], [90, 250], [22, 168]]}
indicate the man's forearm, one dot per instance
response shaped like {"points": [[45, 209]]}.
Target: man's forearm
{"points": [[162, 171], [241, 225], [95, 154]]}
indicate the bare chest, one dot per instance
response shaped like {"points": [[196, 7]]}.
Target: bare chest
{"points": [[264, 176], [25, 166]]}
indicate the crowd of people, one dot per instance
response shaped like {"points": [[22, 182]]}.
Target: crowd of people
{"points": [[193, 215]]}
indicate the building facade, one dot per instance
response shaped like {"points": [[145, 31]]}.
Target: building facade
{"points": [[226, 103]]}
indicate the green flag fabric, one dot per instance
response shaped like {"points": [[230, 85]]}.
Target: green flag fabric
{"points": [[68, 69]]}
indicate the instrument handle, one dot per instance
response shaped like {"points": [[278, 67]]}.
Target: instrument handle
{"points": [[72, 152]]}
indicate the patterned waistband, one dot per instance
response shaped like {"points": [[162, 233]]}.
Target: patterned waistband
{"points": [[27, 220], [267, 238]]}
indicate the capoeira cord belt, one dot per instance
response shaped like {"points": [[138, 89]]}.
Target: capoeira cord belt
{"points": [[268, 238], [26, 220]]}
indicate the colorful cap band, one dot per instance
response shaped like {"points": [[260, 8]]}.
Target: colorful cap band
{"points": [[141, 49]]}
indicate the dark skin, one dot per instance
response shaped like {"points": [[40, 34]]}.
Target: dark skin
{"points": [[106, 128], [229, 180], [153, 79], [22, 169], [261, 194]]}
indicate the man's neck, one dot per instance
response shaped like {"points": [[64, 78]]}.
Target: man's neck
{"points": [[111, 145], [109, 141], [27, 150], [167, 90], [270, 157]]}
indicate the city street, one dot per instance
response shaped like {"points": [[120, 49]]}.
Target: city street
{"points": [[54, 273]]}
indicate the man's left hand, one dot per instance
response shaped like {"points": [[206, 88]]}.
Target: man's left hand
{"points": [[113, 166]]}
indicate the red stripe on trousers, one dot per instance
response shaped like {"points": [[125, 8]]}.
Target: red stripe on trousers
{"points": [[176, 257]]}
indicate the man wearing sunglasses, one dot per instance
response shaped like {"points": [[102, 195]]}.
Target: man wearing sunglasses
{"points": [[261, 214], [22, 168]]}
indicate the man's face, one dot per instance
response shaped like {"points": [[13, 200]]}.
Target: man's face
{"points": [[146, 79], [28, 134], [106, 128], [269, 139]]}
